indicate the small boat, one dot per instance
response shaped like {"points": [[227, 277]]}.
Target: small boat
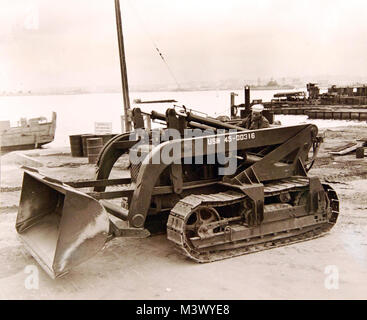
{"points": [[272, 85], [269, 87], [31, 134], [139, 101]]}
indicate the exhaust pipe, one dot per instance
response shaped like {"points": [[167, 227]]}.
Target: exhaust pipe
{"points": [[60, 226]]}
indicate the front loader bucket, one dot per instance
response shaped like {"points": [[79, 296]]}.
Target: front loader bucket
{"points": [[60, 226]]}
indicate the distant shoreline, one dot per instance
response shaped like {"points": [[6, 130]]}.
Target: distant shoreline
{"points": [[140, 90]]}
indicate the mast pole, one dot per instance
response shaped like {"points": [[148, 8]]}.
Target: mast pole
{"points": [[125, 85]]}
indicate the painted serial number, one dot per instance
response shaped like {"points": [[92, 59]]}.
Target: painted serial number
{"points": [[229, 139]]}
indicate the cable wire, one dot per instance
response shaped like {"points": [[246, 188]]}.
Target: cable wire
{"points": [[154, 44]]}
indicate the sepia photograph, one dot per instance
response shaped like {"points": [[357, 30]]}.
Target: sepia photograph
{"points": [[167, 150]]}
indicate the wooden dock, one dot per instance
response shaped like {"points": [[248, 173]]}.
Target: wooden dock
{"points": [[350, 114], [325, 112]]}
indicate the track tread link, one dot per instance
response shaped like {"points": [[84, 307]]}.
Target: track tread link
{"points": [[182, 210]]}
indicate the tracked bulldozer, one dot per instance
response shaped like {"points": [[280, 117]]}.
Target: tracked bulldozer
{"points": [[266, 202]]}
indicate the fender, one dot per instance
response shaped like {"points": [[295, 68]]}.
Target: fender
{"points": [[108, 157]]}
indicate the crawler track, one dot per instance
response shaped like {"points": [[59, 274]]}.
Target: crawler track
{"points": [[259, 240]]}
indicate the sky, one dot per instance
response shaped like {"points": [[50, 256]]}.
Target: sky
{"points": [[52, 43]]}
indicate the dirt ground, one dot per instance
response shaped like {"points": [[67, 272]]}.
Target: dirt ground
{"points": [[151, 269]]}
